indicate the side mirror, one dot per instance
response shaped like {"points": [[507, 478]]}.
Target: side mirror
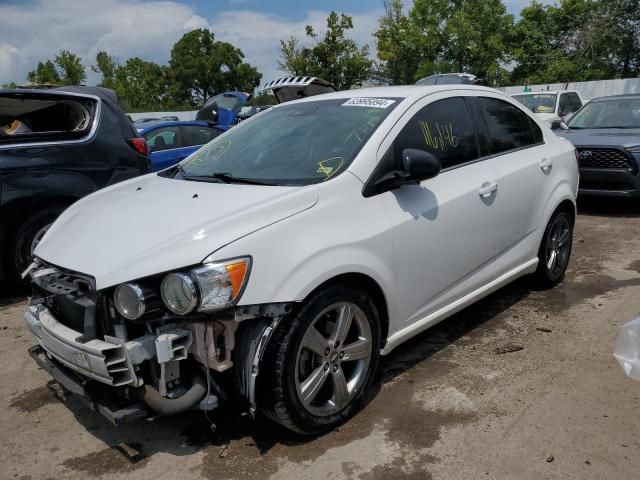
{"points": [[419, 165], [558, 125]]}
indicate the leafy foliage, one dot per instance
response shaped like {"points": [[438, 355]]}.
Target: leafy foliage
{"points": [[201, 66], [45, 73], [333, 57]]}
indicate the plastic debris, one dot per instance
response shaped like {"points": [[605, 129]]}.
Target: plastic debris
{"points": [[627, 351]]}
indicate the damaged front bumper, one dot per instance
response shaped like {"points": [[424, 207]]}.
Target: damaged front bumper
{"points": [[164, 365]]}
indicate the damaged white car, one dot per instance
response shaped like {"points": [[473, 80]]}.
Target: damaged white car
{"points": [[277, 263]]}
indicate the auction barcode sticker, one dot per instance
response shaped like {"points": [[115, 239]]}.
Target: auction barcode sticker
{"points": [[369, 102]]}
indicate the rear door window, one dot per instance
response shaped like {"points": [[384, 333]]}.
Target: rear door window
{"points": [[192, 135], [164, 138], [444, 129], [508, 127]]}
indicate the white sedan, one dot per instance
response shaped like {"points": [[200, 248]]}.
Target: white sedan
{"points": [[277, 263]]}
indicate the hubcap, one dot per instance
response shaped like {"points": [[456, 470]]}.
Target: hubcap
{"points": [[558, 246], [333, 359]]}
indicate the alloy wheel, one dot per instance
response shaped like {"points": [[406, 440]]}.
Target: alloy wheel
{"points": [[558, 245], [333, 359]]}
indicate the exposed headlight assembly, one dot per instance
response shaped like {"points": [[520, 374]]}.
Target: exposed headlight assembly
{"points": [[129, 301], [212, 286], [635, 149]]}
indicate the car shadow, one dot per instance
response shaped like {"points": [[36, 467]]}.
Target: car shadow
{"points": [[11, 293], [609, 206], [191, 432]]}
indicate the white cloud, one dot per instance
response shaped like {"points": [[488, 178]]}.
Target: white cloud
{"points": [[259, 34], [35, 31]]}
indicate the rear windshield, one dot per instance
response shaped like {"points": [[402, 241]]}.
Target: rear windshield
{"points": [[30, 117], [539, 103]]}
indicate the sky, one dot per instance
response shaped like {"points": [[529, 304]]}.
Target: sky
{"points": [[35, 30]]}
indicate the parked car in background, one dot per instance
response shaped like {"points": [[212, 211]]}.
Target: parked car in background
{"points": [[606, 133], [286, 89], [551, 105], [283, 258], [173, 141], [60, 145], [450, 79], [247, 112], [170, 118], [140, 122], [223, 108]]}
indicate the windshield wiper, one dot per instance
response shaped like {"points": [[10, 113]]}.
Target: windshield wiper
{"points": [[228, 178], [224, 177]]}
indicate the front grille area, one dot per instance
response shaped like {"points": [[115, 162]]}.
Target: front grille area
{"points": [[606, 158]]}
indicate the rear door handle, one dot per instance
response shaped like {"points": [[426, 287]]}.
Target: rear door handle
{"points": [[546, 164], [487, 189]]}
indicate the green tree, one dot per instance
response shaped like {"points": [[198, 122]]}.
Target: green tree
{"points": [[463, 36], [200, 66], [397, 45], [45, 73], [70, 67], [142, 86], [107, 66], [334, 58]]}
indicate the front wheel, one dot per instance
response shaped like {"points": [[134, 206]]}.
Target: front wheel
{"points": [[321, 362], [555, 249], [27, 236]]}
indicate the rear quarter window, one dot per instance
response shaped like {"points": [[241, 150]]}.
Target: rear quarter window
{"points": [[27, 118]]}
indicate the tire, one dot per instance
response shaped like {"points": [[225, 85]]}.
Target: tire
{"points": [[26, 236], [555, 250], [293, 371]]}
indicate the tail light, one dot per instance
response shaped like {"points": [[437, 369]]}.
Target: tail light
{"points": [[139, 144]]}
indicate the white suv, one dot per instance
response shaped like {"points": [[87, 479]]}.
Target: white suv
{"points": [[278, 262]]}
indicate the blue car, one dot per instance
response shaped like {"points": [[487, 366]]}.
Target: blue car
{"points": [[171, 141]]}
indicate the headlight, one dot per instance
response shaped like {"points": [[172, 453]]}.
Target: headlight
{"points": [[129, 301], [221, 284], [635, 149], [179, 293]]}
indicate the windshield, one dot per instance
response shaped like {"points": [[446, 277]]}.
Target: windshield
{"points": [[619, 113], [296, 143], [538, 103]]}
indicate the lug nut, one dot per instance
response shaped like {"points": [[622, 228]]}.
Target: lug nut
{"points": [[327, 352], [326, 366], [335, 368], [341, 354]]}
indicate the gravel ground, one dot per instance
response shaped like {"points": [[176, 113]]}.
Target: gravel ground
{"points": [[448, 404]]}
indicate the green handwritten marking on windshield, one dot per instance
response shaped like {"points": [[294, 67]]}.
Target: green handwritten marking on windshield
{"points": [[212, 153], [330, 166], [442, 138]]}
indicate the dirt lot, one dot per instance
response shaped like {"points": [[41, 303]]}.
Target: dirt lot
{"points": [[448, 406]]}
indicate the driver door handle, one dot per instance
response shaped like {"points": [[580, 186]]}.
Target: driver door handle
{"points": [[487, 189], [546, 164]]}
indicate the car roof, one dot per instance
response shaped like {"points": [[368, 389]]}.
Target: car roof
{"points": [[173, 123], [542, 92], [626, 96], [401, 91]]}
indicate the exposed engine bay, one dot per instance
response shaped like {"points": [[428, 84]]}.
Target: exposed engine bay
{"points": [[160, 363]]}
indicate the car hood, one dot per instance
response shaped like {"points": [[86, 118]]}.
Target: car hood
{"points": [[617, 137], [547, 117], [154, 224]]}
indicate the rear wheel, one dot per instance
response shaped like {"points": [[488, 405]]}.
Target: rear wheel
{"points": [[322, 361], [27, 236], [555, 249]]}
